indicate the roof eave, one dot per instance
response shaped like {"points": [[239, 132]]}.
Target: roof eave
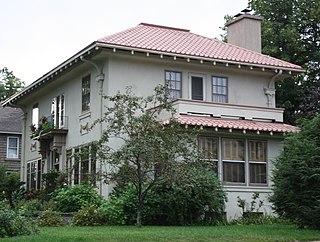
{"points": [[51, 74], [200, 58]]}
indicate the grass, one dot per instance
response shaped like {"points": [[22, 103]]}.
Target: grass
{"points": [[247, 233]]}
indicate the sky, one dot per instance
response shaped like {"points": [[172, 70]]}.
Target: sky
{"points": [[38, 35]]}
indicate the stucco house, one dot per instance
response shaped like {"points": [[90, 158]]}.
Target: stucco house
{"points": [[225, 88], [10, 138]]}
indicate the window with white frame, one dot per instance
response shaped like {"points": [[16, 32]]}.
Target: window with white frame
{"points": [[12, 147], [233, 159], [35, 115], [81, 165], [86, 93], [208, 146], [174, 80], [58, 111], [34, 175], [219, 89], [258, 161]]}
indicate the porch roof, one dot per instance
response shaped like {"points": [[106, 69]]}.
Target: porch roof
{"points": [[246, 125]]}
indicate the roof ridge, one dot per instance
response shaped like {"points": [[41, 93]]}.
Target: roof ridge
{"points": [[164, 27]]}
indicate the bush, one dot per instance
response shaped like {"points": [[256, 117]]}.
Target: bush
{"points": [[120, 208], [296, 177], [87, 216], [50, 218], [72, 199], [13, 224], [196, 198]]}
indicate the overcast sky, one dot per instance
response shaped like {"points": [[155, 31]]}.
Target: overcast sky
{"points": [[37, 35]]}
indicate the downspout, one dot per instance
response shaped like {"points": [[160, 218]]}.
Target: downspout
{"points": [[270, 91], [100, 80]]}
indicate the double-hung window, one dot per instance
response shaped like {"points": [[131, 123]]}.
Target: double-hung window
{"points": [[86, 93], [13, 147], [219, 89], [208, 146], [258, 161], [233, 158], [174, 80]]}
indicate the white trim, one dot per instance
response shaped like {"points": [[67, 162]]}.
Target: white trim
{"points": [[15, 137]]}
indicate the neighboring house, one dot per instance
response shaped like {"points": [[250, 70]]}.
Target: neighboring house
{"points": [[10, 137], [225, 89]]}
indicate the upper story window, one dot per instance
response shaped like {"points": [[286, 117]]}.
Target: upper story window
{"points": [[58, 111], [85, 93], [35, 115], [13, 147], [174, 80], [197, 87], [219, 89]]}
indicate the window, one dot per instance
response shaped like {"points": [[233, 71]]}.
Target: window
{"points": [[258, 161], [233, 160], [86, 93], [174, 80], [219, 89], [208, 146], [57, 111], [34, 175], [82, 165], [35, 115], [197, 88], [13, 147]]}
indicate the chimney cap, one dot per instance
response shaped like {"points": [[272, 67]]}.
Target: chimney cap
{"points": [[240, 16], [246, 10]]}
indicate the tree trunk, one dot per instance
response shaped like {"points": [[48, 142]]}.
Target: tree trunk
{"points": [[139, 224]]}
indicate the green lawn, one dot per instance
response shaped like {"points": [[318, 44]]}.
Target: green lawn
{"points": [[245, 233]]}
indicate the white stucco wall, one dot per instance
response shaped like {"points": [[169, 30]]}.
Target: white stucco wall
{"points": [[143, 74]]}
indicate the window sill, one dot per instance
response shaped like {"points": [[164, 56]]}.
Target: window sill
{"points": [[85, 115], [12, 159]]}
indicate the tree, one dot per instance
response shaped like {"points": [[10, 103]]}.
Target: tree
{"points": [[296, 190], [10, 185], [9, 84], [141, 147], [291, 32]]}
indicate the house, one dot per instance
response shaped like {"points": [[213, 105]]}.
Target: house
{"points": [[10, 138], [228, 89]]}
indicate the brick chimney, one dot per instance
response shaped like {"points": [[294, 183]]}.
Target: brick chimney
{"points": [[245, 31]]}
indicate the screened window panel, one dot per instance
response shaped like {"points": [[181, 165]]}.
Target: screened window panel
{"points": [[258, 173], [196, 88], [233, 172], [233, 149], [209, 147]]}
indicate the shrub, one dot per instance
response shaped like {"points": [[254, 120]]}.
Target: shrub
{"points": [[13, 224], [296, 177], [72, 199], [120, 208], [50, 218], [10, 186], [87, 216], [196, 198], [52, 181]]}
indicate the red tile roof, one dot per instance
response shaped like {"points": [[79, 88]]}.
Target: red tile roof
{"points": [[183, 42], [248, 125]]}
